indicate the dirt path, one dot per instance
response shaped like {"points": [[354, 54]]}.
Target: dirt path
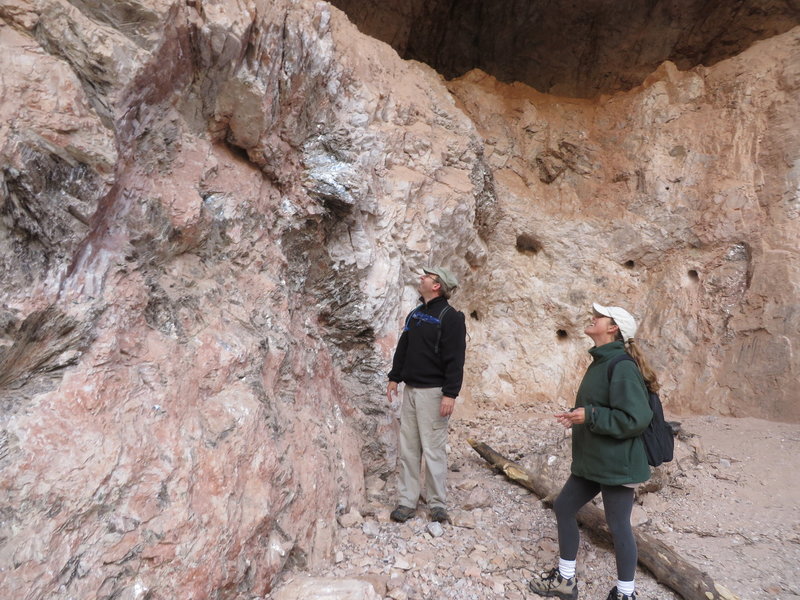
{"points": [[730, 504]]}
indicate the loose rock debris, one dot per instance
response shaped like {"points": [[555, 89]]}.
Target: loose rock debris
{"points": [[710, 504]]}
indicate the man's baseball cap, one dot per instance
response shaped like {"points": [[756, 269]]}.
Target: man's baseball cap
{"points": [[446, 278], [623, 319]]}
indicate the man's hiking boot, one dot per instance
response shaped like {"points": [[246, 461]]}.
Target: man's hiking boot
{"points": [[439, 514], [401, 514], [553, 584], [615, 595]]}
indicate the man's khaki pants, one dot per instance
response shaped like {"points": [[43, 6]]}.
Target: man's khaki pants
{"points": [[423, 437]]}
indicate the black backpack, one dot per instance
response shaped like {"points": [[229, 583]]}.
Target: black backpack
{"points": [[658, 441]]}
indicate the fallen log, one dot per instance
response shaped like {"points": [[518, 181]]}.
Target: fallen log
{"points": [[663, 562]]}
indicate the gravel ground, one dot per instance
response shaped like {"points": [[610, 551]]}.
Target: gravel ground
{"points": [[727, 504]]}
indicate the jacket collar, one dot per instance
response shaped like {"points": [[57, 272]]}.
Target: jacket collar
{"points": [[433, 301], [607, 350]]}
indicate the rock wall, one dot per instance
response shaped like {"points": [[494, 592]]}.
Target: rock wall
{"points": [[211, 214], [677, 199]]}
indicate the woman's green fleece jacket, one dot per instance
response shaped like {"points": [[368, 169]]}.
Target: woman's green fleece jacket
{"points": [[608, 448]]}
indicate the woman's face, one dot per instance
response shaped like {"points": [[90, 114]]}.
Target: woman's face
{"points": [[599, 326]]}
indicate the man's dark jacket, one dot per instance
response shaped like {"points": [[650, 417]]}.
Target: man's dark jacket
{"points": [[415, 360]]}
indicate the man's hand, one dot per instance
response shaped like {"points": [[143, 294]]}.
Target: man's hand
{"points": [[447, 406], [391, 391]]}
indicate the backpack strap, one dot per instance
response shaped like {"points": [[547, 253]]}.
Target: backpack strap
{"points": [[408, 318], [439, 328], [616, 360]]}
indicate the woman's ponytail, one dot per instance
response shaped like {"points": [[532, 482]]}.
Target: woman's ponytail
{"points": [[650, 378]]}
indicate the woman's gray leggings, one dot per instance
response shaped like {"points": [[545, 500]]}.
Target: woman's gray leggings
{"points": [[618, 504]]}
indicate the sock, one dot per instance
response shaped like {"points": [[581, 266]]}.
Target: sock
{"points": [[625, 587], [566, 568]]}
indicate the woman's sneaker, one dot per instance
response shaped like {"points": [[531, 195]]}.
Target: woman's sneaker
{"points": [[615, 595], [553, 584]]}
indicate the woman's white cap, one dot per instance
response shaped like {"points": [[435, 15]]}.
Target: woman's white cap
{"points": [[623, 319]]}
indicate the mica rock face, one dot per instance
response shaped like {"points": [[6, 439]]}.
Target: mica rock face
{"points": [[211, 217]]}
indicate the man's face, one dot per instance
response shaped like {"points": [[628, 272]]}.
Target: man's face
{"points": [[428, 284]]}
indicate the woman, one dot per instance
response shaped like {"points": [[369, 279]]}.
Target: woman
{"points": [[608, 455]]}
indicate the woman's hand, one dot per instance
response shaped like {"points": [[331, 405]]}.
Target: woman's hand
{"points": [[576, 416]]}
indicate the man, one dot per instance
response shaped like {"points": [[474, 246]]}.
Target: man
{"points": [[429, 359]]}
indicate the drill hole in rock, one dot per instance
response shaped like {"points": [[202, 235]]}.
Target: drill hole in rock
{"points": [[527, 244]]}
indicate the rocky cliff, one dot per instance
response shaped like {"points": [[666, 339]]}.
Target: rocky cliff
{"points": [[211, 217]]}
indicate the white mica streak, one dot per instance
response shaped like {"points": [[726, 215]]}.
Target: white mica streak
{"points": [[140, 589], [87, 280]]}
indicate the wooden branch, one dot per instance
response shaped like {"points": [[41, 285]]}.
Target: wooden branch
{"points": [[663, 562]]}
